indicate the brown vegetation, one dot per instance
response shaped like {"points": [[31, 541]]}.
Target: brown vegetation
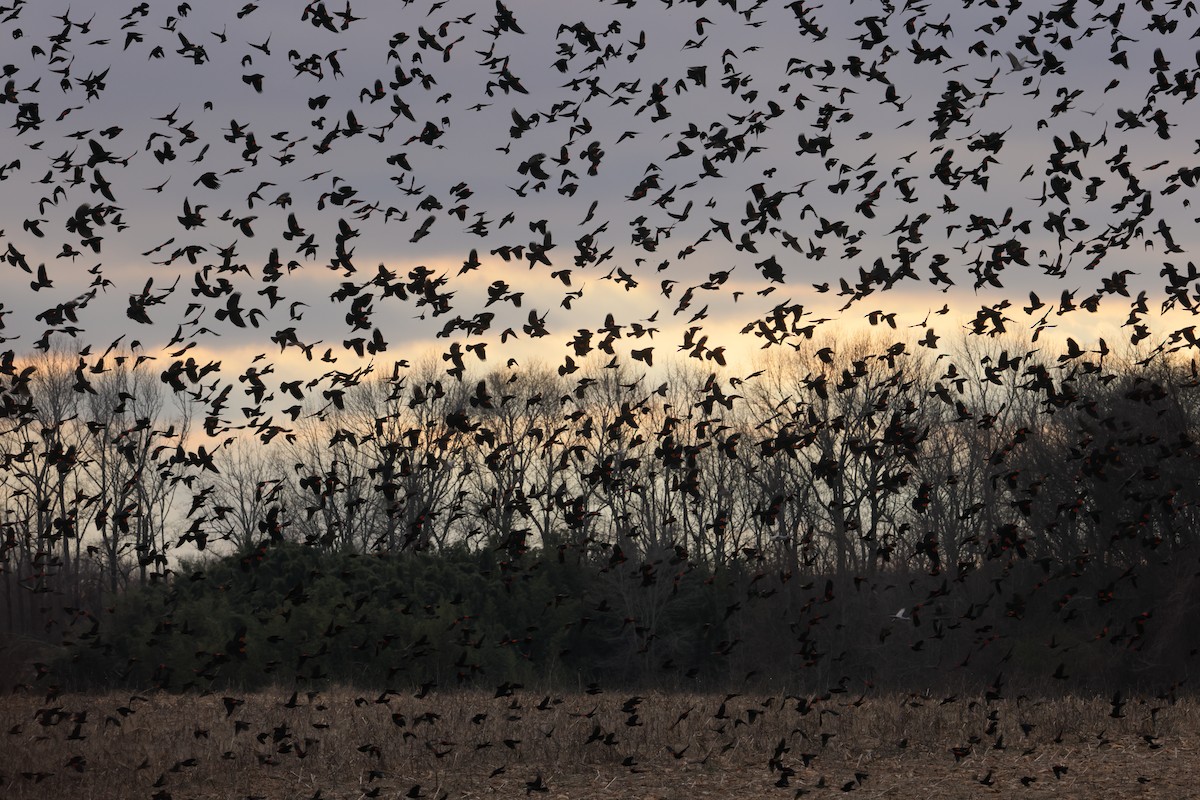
{"points": [[340, 744]]}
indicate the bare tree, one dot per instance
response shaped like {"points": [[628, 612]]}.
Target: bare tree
{"points": [[128, 436], [411, 448], [43, 486], [248, 484]]}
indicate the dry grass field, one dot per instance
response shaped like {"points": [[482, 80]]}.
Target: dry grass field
{"points": [[343, 744]]}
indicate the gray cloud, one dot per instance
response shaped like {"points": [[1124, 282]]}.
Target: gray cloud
{"points": [[747, 67]]}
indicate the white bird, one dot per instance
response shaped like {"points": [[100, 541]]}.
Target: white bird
{"points": [[1017, 64]]}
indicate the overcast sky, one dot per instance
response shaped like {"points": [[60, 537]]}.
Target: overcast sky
{"points": [[163, 99]]}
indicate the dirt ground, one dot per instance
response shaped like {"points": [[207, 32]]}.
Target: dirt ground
{"points": [[472, 745], [1117, 771]]}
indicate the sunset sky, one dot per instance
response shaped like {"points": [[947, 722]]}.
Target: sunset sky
{"points": [[174, 125]]}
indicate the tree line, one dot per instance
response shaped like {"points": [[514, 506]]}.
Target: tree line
{"points": [[993, 508]]}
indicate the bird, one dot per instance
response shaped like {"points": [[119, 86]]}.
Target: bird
{"points": [[389, 527]]}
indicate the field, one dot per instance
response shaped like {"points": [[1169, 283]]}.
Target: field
{"points": [[343, 744]]}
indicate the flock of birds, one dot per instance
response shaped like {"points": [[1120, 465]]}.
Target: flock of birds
{"points": [[657, 168], [787, 218]]}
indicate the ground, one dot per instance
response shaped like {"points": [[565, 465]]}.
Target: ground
{"points": [[348, 744]]}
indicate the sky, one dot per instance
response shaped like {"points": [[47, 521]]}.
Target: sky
{"points": [[462, 105]]}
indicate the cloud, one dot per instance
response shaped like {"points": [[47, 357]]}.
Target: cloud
{"points": [[665, 133]]}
